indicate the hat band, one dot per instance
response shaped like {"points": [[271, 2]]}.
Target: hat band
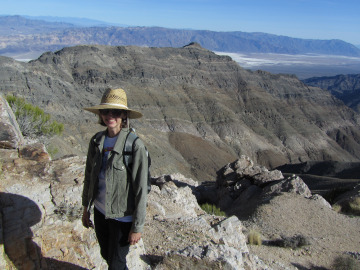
{"points": [[116, 105]]}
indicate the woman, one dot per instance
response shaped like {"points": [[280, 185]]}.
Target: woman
{"points": [[119, 195]]}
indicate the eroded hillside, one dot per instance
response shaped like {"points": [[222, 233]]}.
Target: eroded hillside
{"points": [[189, 94]]}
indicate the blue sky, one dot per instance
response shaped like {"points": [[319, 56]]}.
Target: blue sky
{"points": [[316, 19]]}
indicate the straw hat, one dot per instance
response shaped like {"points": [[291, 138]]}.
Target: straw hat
{"points": [[114, 99]]}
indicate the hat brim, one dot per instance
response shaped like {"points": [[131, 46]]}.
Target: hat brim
{"points": [[132, 114]]}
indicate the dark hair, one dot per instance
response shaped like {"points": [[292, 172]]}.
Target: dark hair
{"points": [[100, 121]]}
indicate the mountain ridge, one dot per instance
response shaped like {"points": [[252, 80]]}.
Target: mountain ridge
{"points": [[186, 93], [344, 87], [236, 41]]}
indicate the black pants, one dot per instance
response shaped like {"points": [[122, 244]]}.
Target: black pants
{"points": [[112, 236]]}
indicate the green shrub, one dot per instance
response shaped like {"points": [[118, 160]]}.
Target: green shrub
{"points": [[345, 263], [32, 120], [212, 209], [254, 238], [52, 150]]}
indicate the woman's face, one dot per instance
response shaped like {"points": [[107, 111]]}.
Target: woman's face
{"points": [[114, 119]]}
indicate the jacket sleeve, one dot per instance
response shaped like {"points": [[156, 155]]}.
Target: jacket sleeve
{"points": [[139, 181], [88, 170]]}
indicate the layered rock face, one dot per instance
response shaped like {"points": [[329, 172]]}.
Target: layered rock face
{"points": [[201, 110]]}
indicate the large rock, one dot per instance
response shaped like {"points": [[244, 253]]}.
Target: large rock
{"points": [[180, 227], [292, 184], [242, 185]]}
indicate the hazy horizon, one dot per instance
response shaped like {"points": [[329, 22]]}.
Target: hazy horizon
{"points": [[322, 19]]}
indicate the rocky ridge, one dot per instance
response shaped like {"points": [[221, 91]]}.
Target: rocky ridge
{"points": [[344, 87], [201, 110]]}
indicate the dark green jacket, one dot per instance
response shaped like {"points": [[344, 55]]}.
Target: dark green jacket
{"points": [[126, 194]]}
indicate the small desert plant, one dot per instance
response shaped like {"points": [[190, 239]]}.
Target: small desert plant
{"points": [[254, 238], [32, 120], [349, 207], [52, 150], [354, 206], [212, 209], [1, 170], [345, 263], [296, 241], [336, 208]]}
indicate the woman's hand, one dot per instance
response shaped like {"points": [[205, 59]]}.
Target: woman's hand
{"points": [[134, 237], [87, 223]]}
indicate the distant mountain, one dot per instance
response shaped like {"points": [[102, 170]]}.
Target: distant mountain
{"points": [[83, 22], [201, 110], [18, 25], [20, 36], [344, 87]]}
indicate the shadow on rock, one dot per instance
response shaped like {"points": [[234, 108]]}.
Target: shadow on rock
{"points": [[18, 215]]}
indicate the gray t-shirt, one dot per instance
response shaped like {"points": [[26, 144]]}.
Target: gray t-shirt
{"points": [[100, 197]]}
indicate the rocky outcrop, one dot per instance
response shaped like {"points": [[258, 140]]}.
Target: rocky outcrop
{"points": [[242, 185], [195, 235], [41, 224]]}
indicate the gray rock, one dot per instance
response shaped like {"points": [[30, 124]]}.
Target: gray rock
{"points": [[292, 184], [266, 176], [321, 200], [10, 134]]}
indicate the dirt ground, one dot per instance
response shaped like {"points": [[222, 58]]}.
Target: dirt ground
{"points": [[330, 234]]}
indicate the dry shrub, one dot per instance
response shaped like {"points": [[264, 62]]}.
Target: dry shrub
{"points": [[336, 208], [354, 206], [294, 242], [254, 238], [349, 207], [345, 263]]}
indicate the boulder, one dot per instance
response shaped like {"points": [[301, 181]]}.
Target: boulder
{"points": [[293, 184], [242, 185]]}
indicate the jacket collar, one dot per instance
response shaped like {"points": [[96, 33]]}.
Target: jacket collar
{"points": [[119, 145]]}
